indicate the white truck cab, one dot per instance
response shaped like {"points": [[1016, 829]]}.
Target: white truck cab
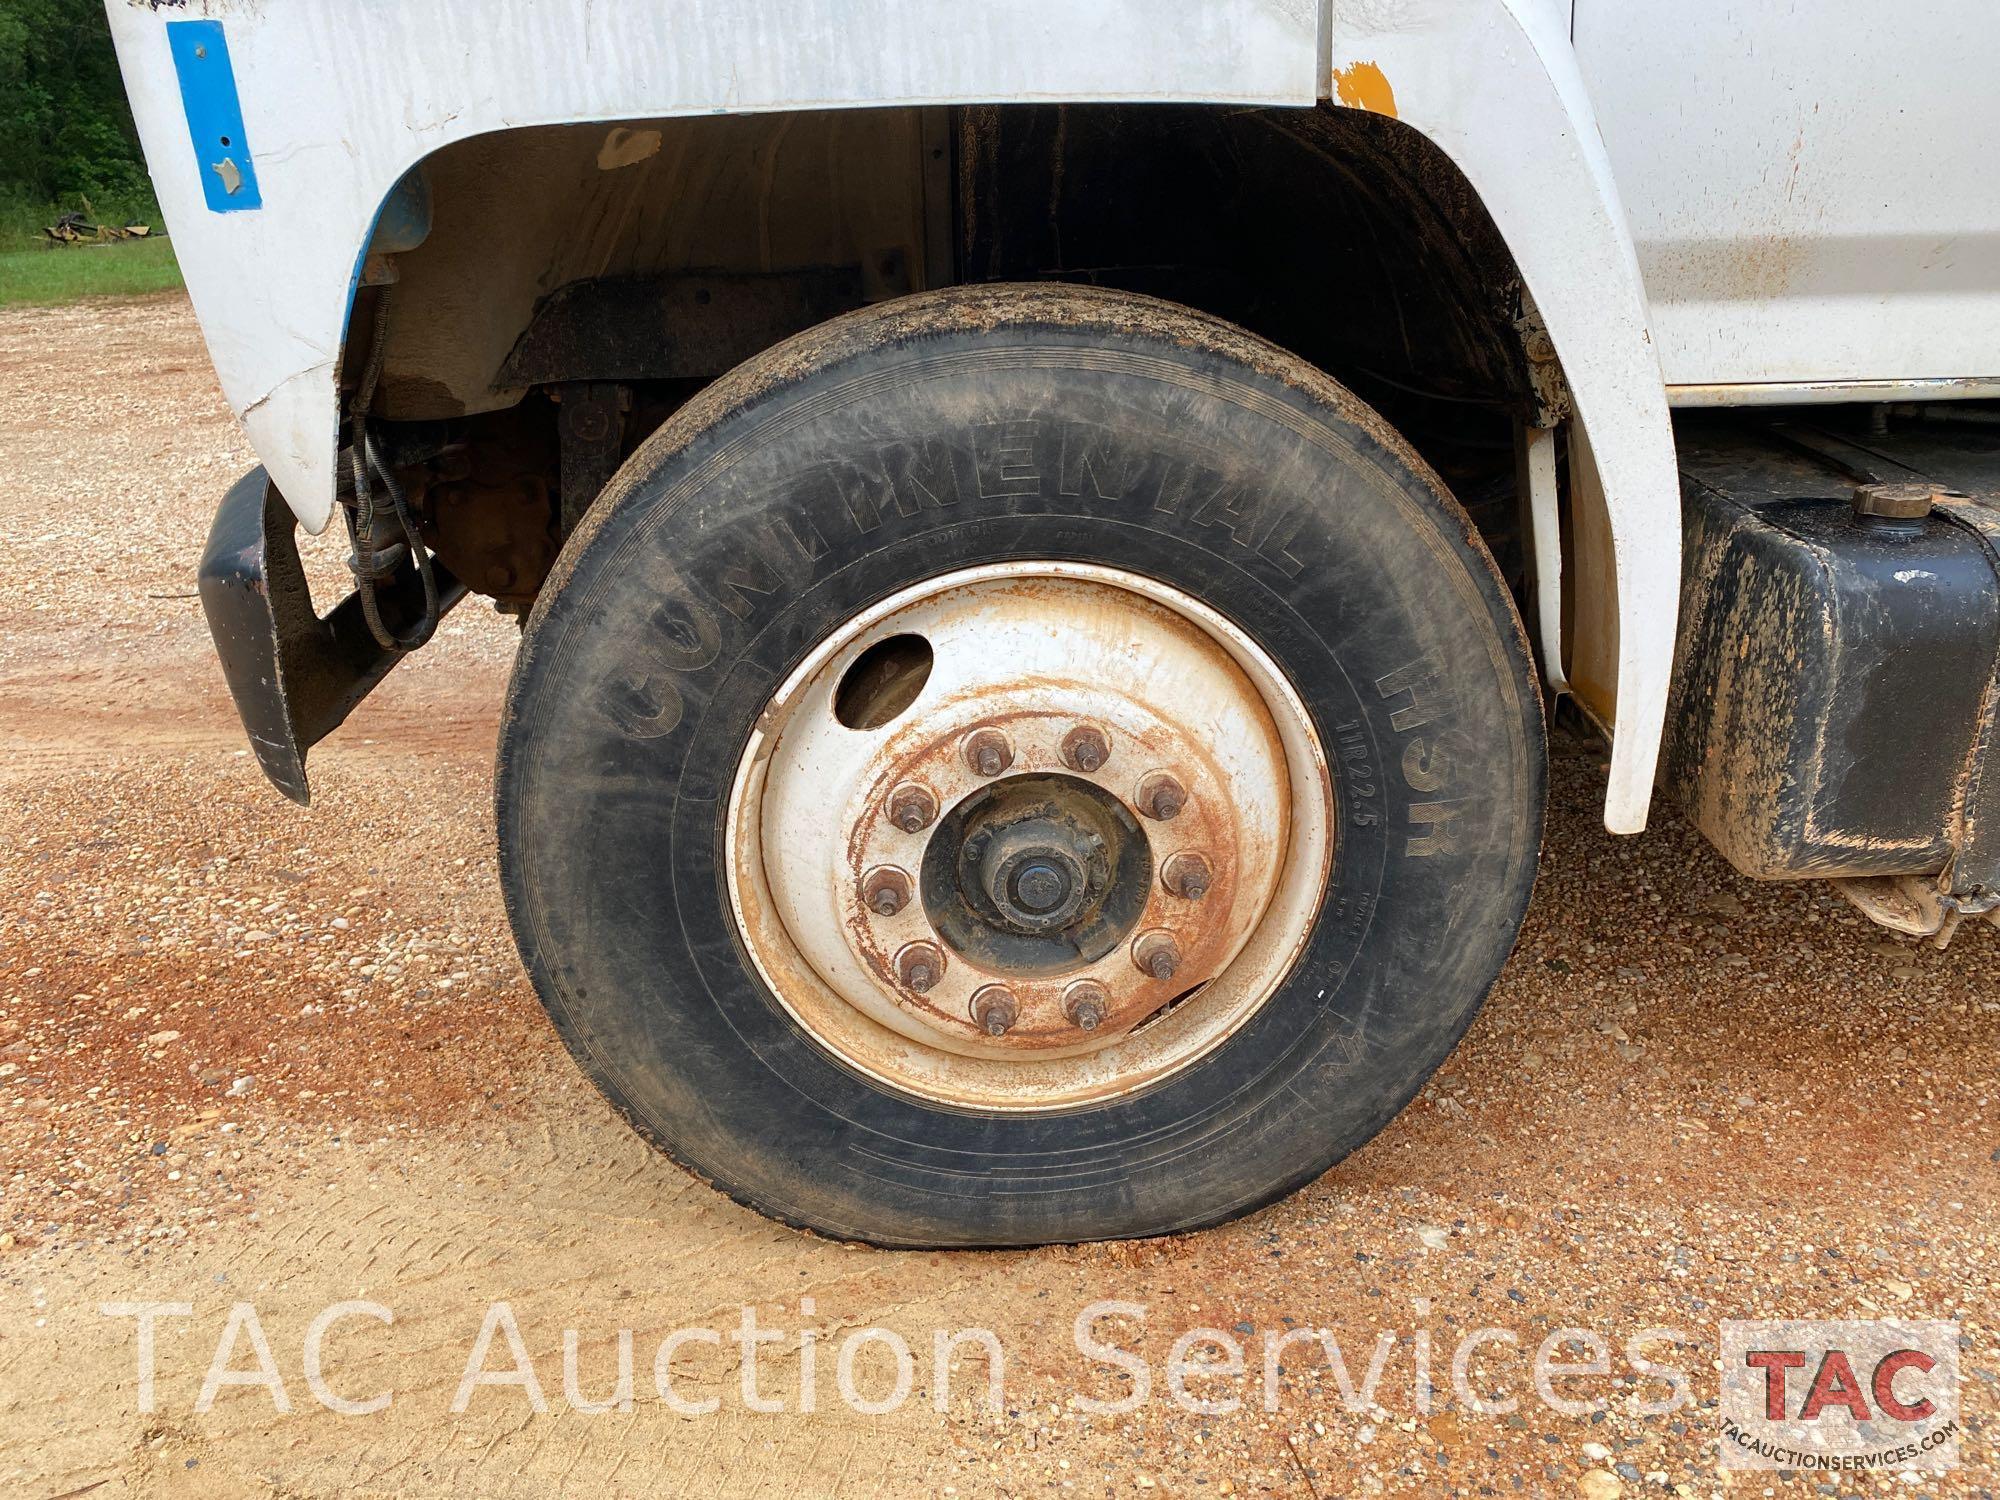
{"points": [[1044, 534]]}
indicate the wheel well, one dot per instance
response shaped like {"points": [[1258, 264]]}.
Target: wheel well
{"points": [[583, 275]]}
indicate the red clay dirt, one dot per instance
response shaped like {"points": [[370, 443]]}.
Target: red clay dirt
{"points": [[253, 1053]]}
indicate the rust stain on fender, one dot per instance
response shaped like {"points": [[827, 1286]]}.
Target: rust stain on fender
{"points": [[1363, 85]]}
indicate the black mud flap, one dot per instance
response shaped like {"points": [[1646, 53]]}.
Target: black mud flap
{"points": [[294, 675]]}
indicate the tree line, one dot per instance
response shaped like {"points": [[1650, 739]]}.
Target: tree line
{"points": [[66, 132]]}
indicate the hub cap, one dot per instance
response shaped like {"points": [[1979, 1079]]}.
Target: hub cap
{"points": [[1029, 835]]}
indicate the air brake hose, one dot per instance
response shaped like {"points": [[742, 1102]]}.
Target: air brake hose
{"points": [[365, 458]]}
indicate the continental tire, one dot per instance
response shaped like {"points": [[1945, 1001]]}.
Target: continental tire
{"points": [[1030, 513]]}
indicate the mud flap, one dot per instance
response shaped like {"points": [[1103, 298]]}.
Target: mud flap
{"points": [[293, 674]]}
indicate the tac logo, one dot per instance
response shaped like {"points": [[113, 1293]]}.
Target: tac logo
{"points": [[1839, 1397]]}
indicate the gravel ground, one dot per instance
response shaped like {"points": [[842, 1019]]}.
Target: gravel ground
{"points": [[253, 1054]]}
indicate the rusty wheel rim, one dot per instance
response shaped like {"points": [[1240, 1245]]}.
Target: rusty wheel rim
{"points": [[1029, 836]]}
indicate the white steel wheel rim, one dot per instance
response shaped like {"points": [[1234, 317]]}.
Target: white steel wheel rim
{"points": [[1031, 650]]}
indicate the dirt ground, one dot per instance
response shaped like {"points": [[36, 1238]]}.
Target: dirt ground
{"points": [[253, 1054]]}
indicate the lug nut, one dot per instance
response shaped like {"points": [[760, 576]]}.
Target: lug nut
{"points": [[1157, 954], [1085, 749], [912, 807], [920, 966], [994, 1010], [1186, 875], [987, 752], [885, 890], [1085, 1003], [1161, 797]]}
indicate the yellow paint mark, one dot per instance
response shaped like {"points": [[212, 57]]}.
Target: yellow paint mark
{"points": [[1362, 85]]}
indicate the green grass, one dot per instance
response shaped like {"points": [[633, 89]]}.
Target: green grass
{"points": [[34, 271], [63, 273]]}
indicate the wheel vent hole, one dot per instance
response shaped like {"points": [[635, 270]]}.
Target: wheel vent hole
{"points": [[1174, 1004], [883, 682]]}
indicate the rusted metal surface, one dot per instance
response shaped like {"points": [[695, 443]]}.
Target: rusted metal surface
{"points": [[1832, 392], [486, 499], [1085, 1002], [1896, 502], [994, 1009], [987, 751], [1035, 874], [1157, 955], [886, 890], [1085, 749], [1035, 877], [683, 326], [591, 428], [1161, 796], [1915, 905], [919, 966], [912, 807], [1187, 875], [969, 849]]}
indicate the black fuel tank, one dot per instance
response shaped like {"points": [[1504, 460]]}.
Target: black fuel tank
{"points": [[1834, 670]]}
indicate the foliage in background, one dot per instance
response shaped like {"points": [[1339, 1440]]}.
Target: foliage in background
{"points": [[65, 129], [67, 143]]}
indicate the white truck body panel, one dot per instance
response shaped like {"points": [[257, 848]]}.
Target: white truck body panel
{"points": [[338, 103], [1808, 190], [1887, 252], [1497, 88]]}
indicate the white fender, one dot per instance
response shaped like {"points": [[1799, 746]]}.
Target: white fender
{"points": [[339, 100], [1495, 85]]}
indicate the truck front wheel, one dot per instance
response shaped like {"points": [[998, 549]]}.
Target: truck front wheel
{"points": [[1019, 764]]}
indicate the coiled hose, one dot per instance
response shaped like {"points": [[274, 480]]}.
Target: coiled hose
{"points": [[365, 459]]}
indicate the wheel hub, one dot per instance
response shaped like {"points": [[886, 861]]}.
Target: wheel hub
{"points": [[1038, 875], [1043, 889], [1040, 879]]}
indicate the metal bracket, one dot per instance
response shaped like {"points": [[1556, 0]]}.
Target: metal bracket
{"points": [[591, 429], [685, 326], [293, 674], [1536, 483], [1916, 905]]}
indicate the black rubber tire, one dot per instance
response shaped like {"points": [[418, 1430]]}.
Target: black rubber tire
{"points": [[861, 457]]}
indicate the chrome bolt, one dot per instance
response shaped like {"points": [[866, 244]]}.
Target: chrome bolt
{"points": [[920, 966], [994, 1010], [1085, 749], [1186, 875], [885, 890], [1085, 1003], [912, 807], [1157, 954], [1161, 797], [987, 752]]}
